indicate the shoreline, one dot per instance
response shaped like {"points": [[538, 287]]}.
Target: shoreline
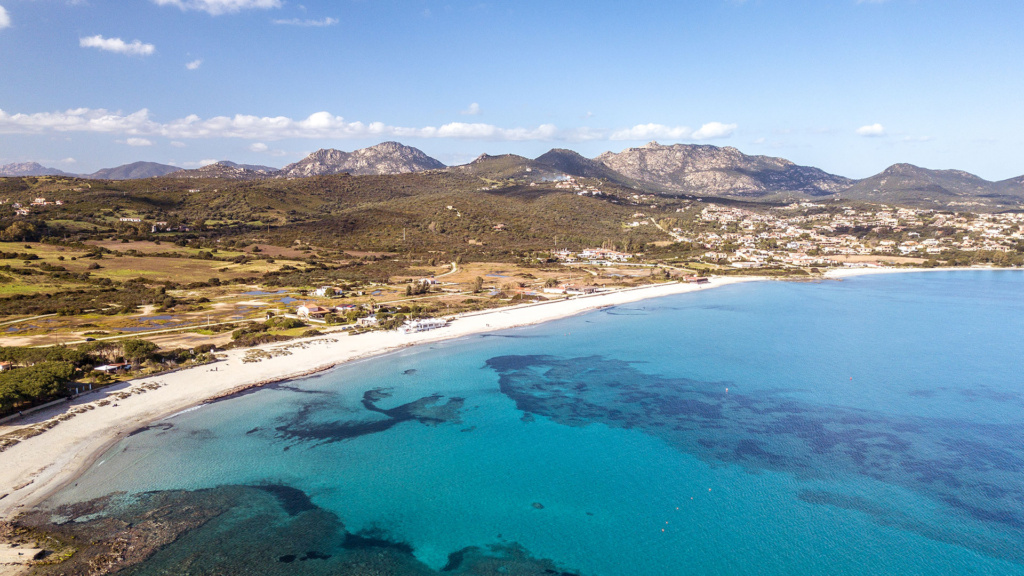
{"points": [[39, 466], [840, 273]]}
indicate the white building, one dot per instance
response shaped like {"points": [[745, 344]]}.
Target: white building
{"points": [[422, 325]]}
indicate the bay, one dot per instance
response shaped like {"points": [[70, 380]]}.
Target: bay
{"points": [[870, 425]]}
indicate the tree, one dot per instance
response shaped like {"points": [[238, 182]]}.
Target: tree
{"points": [[138, 350], [478, 284], [41, 382], [20, 231]]}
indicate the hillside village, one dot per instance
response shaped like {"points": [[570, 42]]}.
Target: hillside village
{"points": [[806, 234]]}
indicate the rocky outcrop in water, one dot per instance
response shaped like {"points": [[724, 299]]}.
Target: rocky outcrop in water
{"points": [[264, 529], [970, 472]]}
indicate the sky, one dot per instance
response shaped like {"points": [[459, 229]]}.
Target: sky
{"points": [[849, 86]]}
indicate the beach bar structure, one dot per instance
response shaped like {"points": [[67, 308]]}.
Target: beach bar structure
{"points": [[111, 368], [422, 325]]}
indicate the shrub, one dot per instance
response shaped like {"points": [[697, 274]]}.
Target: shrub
{"points": [[282, 323]]}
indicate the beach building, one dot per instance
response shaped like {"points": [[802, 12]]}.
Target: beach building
{"points": [[565, 255], [308, 310], [112, 368], [604, 254], [325, 291], [423, 325], [576, 289]]}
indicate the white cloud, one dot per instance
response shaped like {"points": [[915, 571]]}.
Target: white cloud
{"points": [[318, 125], [714, 130], [322, 125], [135, 48], [472, 110], [321, 23], [662, 132], [138, 142], [177, 144], [871, 130], [5, 18], [67, 161], [652, 132], [78, 120], [207, 161], [218, 7], [195, 64], [258, 147]]}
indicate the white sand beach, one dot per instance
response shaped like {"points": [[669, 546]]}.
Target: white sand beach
{"points": [[90, 424]]}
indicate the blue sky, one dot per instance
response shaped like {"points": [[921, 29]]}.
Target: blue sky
{"points": [[849, 86]]}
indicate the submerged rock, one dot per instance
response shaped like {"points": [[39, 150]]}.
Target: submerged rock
{"points": [[266, 529]]}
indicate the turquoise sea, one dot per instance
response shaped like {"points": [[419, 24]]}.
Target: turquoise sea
{"points": [[868, 426]]}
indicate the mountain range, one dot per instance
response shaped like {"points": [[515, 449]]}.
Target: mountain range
{"points": [[131, 171], [678, 169]]}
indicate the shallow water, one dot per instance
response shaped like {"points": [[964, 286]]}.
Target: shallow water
{"points": [[872, 425]]}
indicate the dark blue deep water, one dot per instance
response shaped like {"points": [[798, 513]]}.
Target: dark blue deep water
{"points": [[867, 426]]}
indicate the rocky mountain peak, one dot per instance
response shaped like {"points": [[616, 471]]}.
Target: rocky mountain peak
{"points": [[383, 158], [713, 171], [30, 169]]}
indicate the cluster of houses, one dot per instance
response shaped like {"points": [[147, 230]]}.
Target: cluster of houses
{"points": [[572, 289], [594, 256], [567, 182], [21, 210], [41, 201], [806, 233], [310, 311]]}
